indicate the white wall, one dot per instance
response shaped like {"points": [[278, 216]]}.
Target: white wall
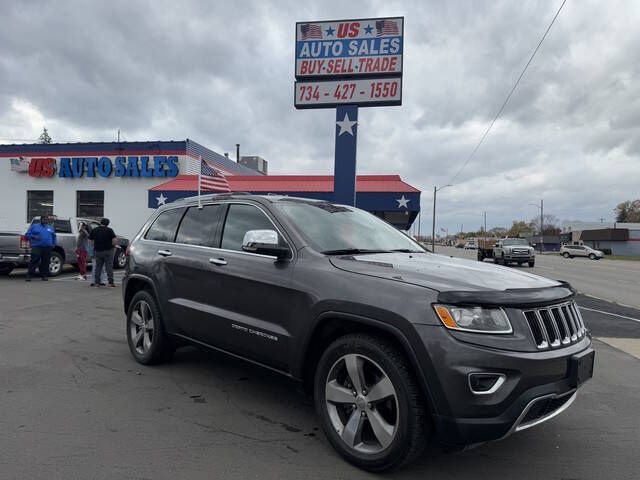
{"points": [[125, 198]]}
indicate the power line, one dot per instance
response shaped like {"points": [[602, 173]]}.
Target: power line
{"points": [[504, 104]]}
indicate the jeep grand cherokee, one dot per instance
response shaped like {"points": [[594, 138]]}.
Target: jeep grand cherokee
{"points": [[393, 342]]}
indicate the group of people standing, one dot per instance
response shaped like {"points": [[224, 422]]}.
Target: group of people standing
{"points": [[97, 243]]}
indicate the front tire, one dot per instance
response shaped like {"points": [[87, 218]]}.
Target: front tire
{"points": [[566, 255], [383, 426], [592, 256], [120, 259], [147, 339]]}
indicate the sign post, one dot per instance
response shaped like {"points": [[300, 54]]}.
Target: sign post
{"points": [[346, 64], [344, 179]]}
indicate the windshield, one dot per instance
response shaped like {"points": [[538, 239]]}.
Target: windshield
{"points": [[333, 228], [515, 241]]}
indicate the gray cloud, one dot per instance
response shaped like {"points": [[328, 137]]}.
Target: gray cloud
{"points": [[222, 72]]}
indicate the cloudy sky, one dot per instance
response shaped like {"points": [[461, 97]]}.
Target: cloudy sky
{"points": [[222, 73]]}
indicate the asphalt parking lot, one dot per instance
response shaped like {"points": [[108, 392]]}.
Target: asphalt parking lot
{"points": [[74, 404]]}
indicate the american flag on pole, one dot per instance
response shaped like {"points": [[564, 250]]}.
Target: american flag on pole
{"points": [[211, 179], [386, 27], [309, 30]]}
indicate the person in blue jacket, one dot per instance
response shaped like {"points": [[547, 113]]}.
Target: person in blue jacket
{"points": [[42, 236]]}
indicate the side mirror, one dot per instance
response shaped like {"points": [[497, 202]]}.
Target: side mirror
{"points": [[264, 242], [533, 244], [496, 245]]}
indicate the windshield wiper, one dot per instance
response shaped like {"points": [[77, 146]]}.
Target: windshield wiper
{"points": [[407, 250], [353, 251]]}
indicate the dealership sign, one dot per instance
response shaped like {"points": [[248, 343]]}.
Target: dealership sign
{"points": [[78, 167], [353, 48], [349, 62]]}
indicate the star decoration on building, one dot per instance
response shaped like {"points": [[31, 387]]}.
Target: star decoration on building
{"points": [[162, 200], [402, 202], [368, 29], [346, 125], [330, 31]]}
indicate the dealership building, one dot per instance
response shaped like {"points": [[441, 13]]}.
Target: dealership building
{"points": [[127, 181]]}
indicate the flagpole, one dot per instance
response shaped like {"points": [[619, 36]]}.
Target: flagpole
{"points": [[199, 180]]}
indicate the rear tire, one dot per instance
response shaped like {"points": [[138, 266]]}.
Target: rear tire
{"points": [[148, 342], [532, 264], [378, 431], [56, 264], [6, 268]]}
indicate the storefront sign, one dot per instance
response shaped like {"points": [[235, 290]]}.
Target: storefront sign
{"points": [[78, 167], [364, 92], [353, 48]]}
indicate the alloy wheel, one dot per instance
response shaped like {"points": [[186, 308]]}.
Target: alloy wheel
{"points": [[362, 404], [121, 260], [55, 265], [142, 327]]}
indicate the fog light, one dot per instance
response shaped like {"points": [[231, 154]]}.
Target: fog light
{"points": [[486, 383]]}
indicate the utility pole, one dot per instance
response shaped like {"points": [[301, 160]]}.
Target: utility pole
{"points": [[433, 224], [485, 226], [541, 225]]}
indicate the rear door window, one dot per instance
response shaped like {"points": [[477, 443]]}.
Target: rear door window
{"points": [[165, 226], [199, 226], [62, 226]]}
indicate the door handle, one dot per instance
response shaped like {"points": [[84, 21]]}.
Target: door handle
{"points": [[165, 253], [217, 261]]}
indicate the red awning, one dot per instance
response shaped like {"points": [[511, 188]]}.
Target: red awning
{"points": [[292, 183]]}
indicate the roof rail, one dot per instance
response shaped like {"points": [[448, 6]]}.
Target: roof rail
{"points": [[213, 196]]}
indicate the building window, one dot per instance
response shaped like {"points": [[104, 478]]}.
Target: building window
{"points": [[39, 203], [90, 203]]}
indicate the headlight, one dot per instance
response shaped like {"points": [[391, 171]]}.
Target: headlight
{"points": [[474, 319]]}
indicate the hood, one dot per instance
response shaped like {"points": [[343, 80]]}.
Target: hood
{"points": [[439, 272]]}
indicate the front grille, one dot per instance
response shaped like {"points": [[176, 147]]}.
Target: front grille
{"points": [[556, 326], [520, 251]]}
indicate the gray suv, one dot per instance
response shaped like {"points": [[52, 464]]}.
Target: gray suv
{"points": [[393, 343]]}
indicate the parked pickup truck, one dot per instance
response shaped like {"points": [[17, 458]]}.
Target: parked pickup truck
{"points": [[15, 248], [506, 251]]}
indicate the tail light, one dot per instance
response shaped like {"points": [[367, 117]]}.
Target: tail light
{"points": [[24, 242]]}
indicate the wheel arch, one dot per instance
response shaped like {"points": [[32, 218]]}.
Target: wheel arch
{"points": [[332, 325], [58, 249], [135, 283]]}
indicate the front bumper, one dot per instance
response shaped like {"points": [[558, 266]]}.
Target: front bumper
{"points": [[536, 388]]}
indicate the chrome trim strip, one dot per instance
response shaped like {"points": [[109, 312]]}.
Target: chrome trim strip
{"points": [[499, 382], [518, 427]]}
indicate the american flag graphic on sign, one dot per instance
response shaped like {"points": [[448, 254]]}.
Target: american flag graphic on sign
{"points": [[386, 27], [211, 179], [309, 30], [20, 164]]}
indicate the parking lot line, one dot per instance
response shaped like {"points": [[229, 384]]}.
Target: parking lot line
{"points": [[612, 314]]}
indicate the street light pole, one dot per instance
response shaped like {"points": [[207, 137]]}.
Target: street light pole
{"points": [[541, 225], [433, 224]]}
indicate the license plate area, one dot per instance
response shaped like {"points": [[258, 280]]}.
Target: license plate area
{"points": [[581, 367]]}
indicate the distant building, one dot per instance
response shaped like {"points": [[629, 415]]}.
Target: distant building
{"points": [[614, 238]]}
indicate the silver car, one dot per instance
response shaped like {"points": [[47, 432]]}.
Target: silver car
{"points": [[570, 251]]}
